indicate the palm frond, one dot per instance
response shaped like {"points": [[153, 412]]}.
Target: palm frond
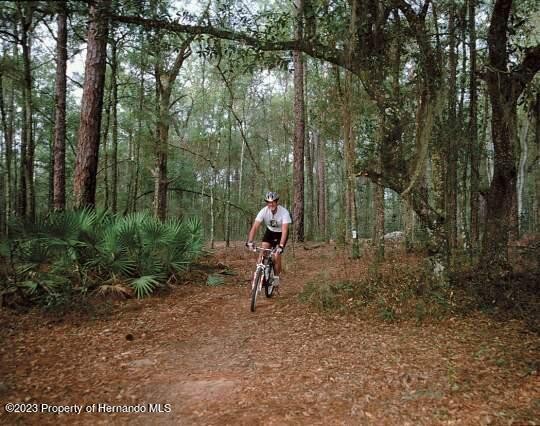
{"points": [[155, 234], [215, 280], [117, 289], [145, 285], [29, 286]]}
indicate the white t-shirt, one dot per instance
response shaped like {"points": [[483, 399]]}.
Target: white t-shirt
{"points": [[274, 221]]}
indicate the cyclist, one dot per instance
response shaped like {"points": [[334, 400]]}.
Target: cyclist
{"points": [[277, 220]]}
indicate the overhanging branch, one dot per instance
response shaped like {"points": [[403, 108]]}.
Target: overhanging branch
{"points": [[311, 47]]}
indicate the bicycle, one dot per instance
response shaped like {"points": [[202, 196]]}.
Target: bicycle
{"points": [[263, 276]]}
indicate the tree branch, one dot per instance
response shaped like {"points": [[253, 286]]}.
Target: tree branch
{"points": [[311, 47], [528, 68], [241, 125], [236, 206]]}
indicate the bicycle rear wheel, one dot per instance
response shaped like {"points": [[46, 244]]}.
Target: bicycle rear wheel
{"points": [[255, 289]]}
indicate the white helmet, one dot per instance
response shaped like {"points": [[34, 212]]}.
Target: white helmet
{"points": [[271, 196]]}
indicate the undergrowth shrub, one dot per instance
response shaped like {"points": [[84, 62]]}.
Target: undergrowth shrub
{"points": [[63, 256], [390, 291], [509, 295]]}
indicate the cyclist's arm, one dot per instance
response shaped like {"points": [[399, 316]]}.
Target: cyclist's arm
{"points": [[253, 230], [284, 234]]}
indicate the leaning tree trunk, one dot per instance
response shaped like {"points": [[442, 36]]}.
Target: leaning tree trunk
{"points": [[84, 185], [165, 81], [59, 149]]}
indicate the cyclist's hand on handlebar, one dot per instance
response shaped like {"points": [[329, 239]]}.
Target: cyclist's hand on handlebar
{"points": [[279, 249], [250, 245]]}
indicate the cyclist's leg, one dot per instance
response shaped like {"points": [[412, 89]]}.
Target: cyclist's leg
{"points": [[276, 238], [265, 245], [277, 257], [277, 264]]}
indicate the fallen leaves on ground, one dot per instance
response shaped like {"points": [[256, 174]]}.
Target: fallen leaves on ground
{"points": [[202, 355]]}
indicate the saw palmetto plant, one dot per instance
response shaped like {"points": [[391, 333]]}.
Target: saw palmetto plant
{"points": [[74, 252]]}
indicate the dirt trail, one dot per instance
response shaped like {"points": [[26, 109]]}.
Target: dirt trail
{"points": [[202, 355]]}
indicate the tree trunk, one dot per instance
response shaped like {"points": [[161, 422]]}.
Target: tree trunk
{"points": [[474, 148], [26, 182], [3, 221], [105, 146], [504, 88], [350, 160], [502, 189], [138, 138], [59, 149], [131, 173], [537, 168], [321, 185], [298, 150], [28, 125], [114, 129], [228, 183], [523, 158], [310, 188], [378, 228], [378, 192], [50, 192], [8, 150], [161, 150], [299, 132], [212, 215], [84, 187], [165, 81], [409, 227], [450, 196]]}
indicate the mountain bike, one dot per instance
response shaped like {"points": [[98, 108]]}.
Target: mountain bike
{"points": [[263, 277]]}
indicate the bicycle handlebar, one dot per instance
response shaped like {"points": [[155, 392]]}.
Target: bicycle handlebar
{"points": [[255, 249]]}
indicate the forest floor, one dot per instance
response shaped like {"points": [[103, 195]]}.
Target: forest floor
{"points": [[199, 352]]}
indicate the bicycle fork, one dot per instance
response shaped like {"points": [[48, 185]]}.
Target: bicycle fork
{"points": [[255, 282]]}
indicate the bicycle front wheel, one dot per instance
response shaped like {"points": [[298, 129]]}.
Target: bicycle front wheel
{"points": [[255, 289], [269, 285]]}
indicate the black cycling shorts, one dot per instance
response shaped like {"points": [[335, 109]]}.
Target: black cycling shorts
{"points": [[271, 237]]}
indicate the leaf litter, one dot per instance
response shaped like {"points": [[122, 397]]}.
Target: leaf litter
{"points": [[201, 350]]}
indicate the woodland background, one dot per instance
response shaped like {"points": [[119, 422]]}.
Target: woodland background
{"points": [[367, 116]]}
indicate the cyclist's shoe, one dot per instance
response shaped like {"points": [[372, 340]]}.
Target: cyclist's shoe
{"points": [[276, 282]]}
